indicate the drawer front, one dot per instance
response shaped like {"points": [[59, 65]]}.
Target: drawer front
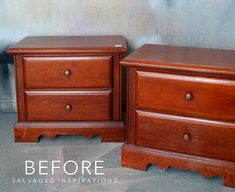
{"points": [[68, 105], [68, 72], [187, 135], [186, 95]]}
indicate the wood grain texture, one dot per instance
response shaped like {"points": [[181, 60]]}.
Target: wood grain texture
{"points": [[212, 98], [86, 72], [69, 44], [69, 79], [180, 110], [86, 105], [109, 131], [138, 157], [19, 76], [183, 58], [130, 121], [207, 138], [117, 94]]}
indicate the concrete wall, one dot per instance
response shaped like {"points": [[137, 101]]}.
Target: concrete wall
{"points": [[198, 23]]}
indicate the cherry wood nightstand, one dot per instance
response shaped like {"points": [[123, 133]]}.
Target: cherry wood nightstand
{"points": [[68, 86], [181, 110]]}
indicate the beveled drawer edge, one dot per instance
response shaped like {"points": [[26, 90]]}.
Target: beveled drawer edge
{"points": [[179, 77], [187, 119], [75, 92], [66, 58]]}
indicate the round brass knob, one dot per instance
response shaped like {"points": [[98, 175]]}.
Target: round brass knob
{"points": [[186, 137], [68, 107], [188, 96], [67, 73]]}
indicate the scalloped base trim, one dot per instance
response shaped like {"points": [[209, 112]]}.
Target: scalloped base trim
{"points": [[137, 157], [109, 131]]}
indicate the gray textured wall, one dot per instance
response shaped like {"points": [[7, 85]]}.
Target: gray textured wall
{"points": [[198, 23]]}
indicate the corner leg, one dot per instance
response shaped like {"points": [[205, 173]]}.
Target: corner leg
{"points": [[26, 135], [229, 180]]}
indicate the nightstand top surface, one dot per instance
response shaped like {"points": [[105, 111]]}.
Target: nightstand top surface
{"points": [[177, 57], [69, 44]]}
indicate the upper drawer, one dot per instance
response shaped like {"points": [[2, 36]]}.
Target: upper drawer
{"points": [[68, 72], [186, 95]]}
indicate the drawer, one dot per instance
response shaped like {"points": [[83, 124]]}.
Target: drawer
{"points": [[187, 135], [68, 72], [68, 105], [186, 95]]}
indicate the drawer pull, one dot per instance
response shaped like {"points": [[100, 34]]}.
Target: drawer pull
{"points": [[68, 107], [188, 96], [67, 73], [186, 137]]}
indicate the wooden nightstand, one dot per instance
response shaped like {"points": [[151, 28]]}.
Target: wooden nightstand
{"points": [[68, 86], [181, 110]]}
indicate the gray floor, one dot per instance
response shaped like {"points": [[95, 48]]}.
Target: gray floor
{"points": [[115, 178]]}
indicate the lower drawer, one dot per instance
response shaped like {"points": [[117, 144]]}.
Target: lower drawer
{"points": [[187, 135], [68, 105]]}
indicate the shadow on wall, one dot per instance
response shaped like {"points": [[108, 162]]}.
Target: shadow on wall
{"points": [[7, 92], [5, 59]]}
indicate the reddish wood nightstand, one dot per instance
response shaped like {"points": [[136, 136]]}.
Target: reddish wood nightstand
{"points": [[68, 86], [181, 110]]}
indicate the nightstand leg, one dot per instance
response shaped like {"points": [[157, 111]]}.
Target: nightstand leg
{"points": [[139, 157], [113, 131], [229, 180]]}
